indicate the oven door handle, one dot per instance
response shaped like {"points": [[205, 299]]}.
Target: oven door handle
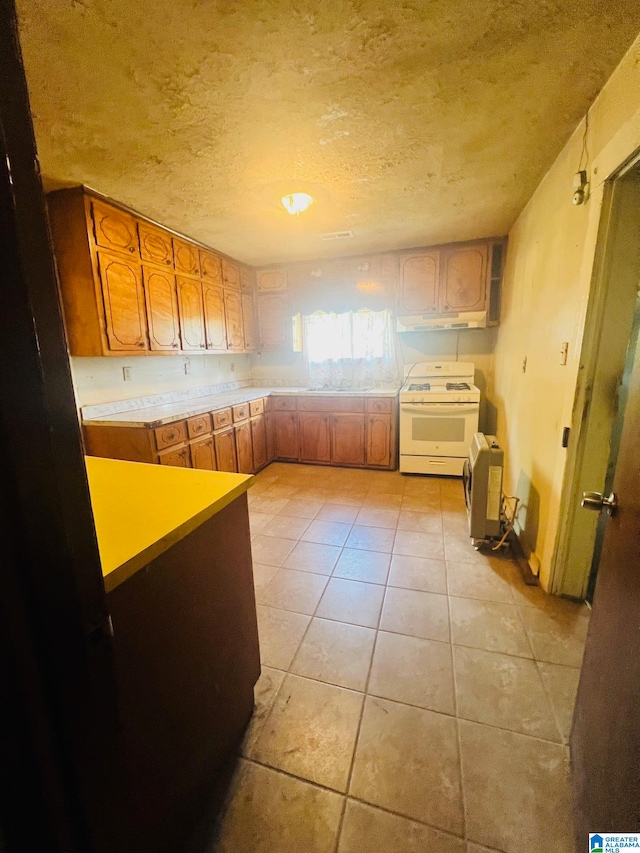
{"points": [[453, 409]]}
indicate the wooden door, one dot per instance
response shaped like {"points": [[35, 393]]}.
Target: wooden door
{"points": [[114, 229], [185, 257], [605, 738], [272, 279], [123, 299], [162, 309], [233, 319], [244, 448], [210, 267], [270, 424], [286, 434], [230, 274], [203, 454], [191, 313], [180, 457], [419, 283], [463, 284], [379, 441], [214, 319], [315, 437], [347, 439], [225, 446], [274, 321], [155, 245], [259, 441], [247, 279], [249, 322]]}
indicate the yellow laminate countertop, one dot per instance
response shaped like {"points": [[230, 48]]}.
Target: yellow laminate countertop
{"points": [[141, 510]]}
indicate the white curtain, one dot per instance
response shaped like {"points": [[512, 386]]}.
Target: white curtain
{"points": [[356, 348]]}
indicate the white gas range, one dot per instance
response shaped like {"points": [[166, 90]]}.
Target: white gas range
{"points": [[439, 406]]}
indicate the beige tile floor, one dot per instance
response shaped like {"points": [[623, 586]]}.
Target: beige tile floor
{"points": [[415, 694]]}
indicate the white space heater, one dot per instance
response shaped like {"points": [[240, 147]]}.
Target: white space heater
{"points": [[482, 478]]}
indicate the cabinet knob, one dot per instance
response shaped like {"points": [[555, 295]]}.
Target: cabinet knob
{"points": [[175, 346], [140, 344], [132, 248]]}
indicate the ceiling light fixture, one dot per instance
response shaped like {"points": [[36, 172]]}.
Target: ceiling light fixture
{"points": [[295, 203]]}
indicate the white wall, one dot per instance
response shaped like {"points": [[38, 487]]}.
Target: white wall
{"points": [[546, 287], [100, 380]]}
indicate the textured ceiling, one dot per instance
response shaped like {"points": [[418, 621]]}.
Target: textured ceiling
{"points": [[411, 123]]}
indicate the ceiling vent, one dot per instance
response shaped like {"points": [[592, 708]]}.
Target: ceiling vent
{"points": [[336, 235]]}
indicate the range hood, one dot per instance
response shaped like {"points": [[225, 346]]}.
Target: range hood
{"points": [[428, 323]]}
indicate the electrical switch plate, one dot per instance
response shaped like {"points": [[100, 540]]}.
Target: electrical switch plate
{"points": [[232, 367], [524, 364], [187, 366], [564, 350], [126, 374]]}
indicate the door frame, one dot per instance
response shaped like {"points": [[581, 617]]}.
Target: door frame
{"points": [[614, 221]]}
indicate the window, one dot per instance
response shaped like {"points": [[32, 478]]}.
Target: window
{"points": [[351, 348]]}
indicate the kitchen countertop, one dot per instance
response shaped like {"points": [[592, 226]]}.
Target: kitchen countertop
{"points": [[160, 415], [141, 510]]}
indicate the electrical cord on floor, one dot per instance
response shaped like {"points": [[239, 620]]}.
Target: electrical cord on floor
{"points": [[509, 521]]}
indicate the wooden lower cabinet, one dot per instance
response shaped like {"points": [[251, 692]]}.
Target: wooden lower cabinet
{"points": [[287, 436], [270, 428], [203, 454], [379, 438], [315, 437], [347, 439], [259, 441], [244, 451], [225, 445], [178, 456]]}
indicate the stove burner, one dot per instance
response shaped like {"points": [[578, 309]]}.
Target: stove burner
{"points": [[424, 387], [457, 386]]}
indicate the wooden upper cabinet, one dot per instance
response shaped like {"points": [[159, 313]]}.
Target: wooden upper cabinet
{"points": [[114, 229], [419, 282], [191, 314], [214, 320], [185, 257], [348, 439], [274, 321], [272, 279], [233, 319], [463, 284], [247, 279], [210, 267], [249, 322], [230, 274], [155, 245], [162, 309], [123, 298], [315, 437]]}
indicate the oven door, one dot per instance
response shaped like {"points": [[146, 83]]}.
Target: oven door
{"points": [[437, 429]]}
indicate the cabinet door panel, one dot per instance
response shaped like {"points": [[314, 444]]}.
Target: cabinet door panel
{"points": [[178, 457], [347, 440], [225, 445], [464, 274], [191, 313], [244, 448], [286, 430], [274, 321], [123, 298], [315, 437], [270, 423], [249, 322], [247, 279], [272, 279], [185, 257], [155, 245], [114, 229], [230, 274], [162, 309], [379, 441], [214, 321], [233, 318], [259, 441], [210, 267], [419, 283], [203, 455]]}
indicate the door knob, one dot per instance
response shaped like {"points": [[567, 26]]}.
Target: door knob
{"points": [[598, 502]]}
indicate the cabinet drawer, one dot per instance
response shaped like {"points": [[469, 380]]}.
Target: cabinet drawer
{"points": [[256, 407], [381, 405], [221, 418], [180, 457], [282, 404], [171, 434], [331, 404], [199, 426], [241, 412]]}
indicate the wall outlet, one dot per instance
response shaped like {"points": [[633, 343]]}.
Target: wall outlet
{"points": [[187, 366], [126, 374], [232, 367]]}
